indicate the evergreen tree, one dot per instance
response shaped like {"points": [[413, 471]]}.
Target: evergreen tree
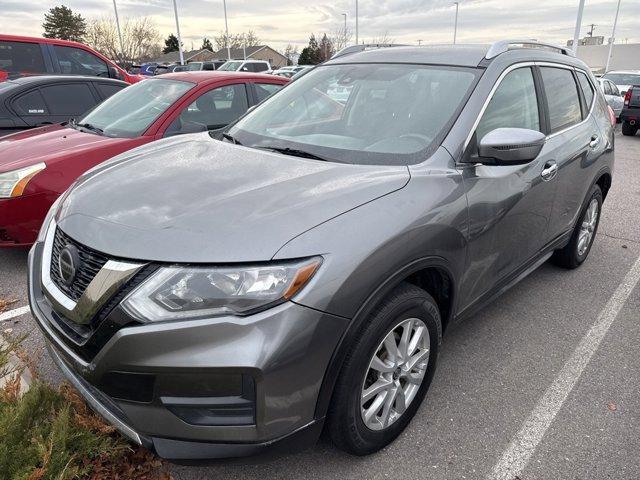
{"points": [[60, 22], [206, 44], [326, 49], [170, 44]]}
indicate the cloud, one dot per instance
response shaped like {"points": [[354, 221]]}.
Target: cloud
{"points": [[292, 21]]}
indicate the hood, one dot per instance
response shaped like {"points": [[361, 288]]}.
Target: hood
{"points": [[41, 144], [194, 199]]}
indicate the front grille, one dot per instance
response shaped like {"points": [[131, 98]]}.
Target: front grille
{"points": [[90, 264]]}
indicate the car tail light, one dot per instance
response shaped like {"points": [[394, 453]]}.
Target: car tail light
{"points": [[627, 97], [612, 115]]}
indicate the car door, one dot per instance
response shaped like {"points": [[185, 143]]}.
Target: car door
{"points": [[509, 206], [68, 100], [615, 100], [211, 109], [574, 136]]}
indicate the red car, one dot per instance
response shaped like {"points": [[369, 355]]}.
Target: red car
{"points": [[21, 56], [36, 166]]}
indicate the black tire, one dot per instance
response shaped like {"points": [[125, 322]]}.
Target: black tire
{"points": [[569, 256], [628, 129], [344, 423]]}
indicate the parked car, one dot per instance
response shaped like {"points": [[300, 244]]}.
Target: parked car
{"points": [[20, 56], [612, 95], [29, 102], [284, 73], [237, 295], [623, 79], [173, 68], [36, 166], [148, 69], [630, 115], [245, 66], [208, 65], [303, 71]]}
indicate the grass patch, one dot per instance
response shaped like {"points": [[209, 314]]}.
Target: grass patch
{"points": [[50, 433]]}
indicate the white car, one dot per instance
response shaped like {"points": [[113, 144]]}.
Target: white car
{"points": [[245, 66], [615, 99], [623, 79]]}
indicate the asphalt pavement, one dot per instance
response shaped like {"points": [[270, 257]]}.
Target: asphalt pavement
{"points": [[542, 384]]}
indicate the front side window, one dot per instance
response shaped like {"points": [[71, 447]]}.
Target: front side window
{"points": [[264, 90], [21, 57], [587, 90], [211, 110], [128, 113], [75, 61], [361, 113], [562, 97], [514, 104], [614, 89]]}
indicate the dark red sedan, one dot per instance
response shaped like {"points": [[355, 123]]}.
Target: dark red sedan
{"points": [[38, 165]]}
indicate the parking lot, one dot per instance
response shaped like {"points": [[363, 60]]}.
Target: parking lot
{"points": [[543, 384]]}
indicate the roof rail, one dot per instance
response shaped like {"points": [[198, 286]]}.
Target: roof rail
{"points": [[504, 45], [362, 47]]}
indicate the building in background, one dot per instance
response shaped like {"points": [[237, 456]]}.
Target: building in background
{"points": [[258, 52], [625, 56], [191, 56]]}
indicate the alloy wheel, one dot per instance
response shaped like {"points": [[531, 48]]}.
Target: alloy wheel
{"points": [[587, 229], [396, 372]]}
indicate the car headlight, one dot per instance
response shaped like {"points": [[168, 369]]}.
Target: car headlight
{"points": [[173, 293], [13, 183]]}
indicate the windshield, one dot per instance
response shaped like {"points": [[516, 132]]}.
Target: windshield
{"points": [[623, 78], [361, 113], [230, 66], [128, 113], [194, 66]]}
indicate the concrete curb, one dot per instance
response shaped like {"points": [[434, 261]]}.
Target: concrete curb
{"points": [[16, 365]]}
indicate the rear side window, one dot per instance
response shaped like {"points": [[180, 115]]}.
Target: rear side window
{"points": [[75, 61], [30, 103], [69, 99], [514, 104], [587, 90], [21, 57], [614, 88], [260, 67], [107, 89], [562, 97], [264, 90]]}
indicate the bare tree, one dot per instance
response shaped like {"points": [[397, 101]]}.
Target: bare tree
{"points": [[140, 38], [236, 40], [382, 39], [341, 37], [291, 53]]}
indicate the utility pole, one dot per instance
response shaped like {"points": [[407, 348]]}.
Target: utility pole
{"points": [[356, 22], [576, 33], [455, 25], [592, 25], [420, 42], [226, 29], [613, 37], [115, 8], [345, 30], [175, 11]]}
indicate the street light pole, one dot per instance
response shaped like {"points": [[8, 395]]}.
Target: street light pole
{"points": [[356, 22], [455, 25], [576, 33], [175, 11], [115, 8], [345, 29], [613, 37], [226, 29]]}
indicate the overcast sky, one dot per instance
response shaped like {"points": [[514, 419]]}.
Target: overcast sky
{"points": [[291, 21]]}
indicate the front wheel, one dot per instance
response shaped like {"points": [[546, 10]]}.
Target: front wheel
{"points": [[628, 129], [387, 373], [584, 233]]}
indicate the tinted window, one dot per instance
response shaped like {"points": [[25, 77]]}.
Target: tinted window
{"points": [[108, 89], [70, 99], [75, 61], [30, 103], [264, 90], [213, 109], [207, 66], [587, 90], [260, 67], [562, 97], [19, 57], [514, 104]]}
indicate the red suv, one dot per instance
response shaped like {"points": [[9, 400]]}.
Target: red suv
{"points": [[32, 56]]}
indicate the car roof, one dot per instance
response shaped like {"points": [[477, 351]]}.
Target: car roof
{"points": [[53, 41], [206, 76], [634, 72], [41, 79]]}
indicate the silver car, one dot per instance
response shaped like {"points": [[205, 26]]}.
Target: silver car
{"points": [[612, 95]]}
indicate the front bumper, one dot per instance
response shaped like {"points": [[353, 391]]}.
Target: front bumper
{"points": [[282, 352], [21, 218]]}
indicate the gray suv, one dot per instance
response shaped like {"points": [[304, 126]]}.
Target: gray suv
{"points": [[218, 297]]}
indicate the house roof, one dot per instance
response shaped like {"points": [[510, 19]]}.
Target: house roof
{"points": [[238, 53], [174, 57]]}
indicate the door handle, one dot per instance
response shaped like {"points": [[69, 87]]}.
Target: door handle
{"points": [[549, 171], [595, 140]]}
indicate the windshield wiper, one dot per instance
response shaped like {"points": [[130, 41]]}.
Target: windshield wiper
{"points": [[231, 138], [86, 126], [294, 152]]}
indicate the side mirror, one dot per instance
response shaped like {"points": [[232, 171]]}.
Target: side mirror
{"points": [[114, 73], [510, 146]]}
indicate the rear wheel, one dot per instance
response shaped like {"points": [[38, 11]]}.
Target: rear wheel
{"points": [[584, 233], [628, 129], [388, 372]]}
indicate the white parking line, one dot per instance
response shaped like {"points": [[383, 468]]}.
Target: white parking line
{"points": [[516, 457], [14, 313]]}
